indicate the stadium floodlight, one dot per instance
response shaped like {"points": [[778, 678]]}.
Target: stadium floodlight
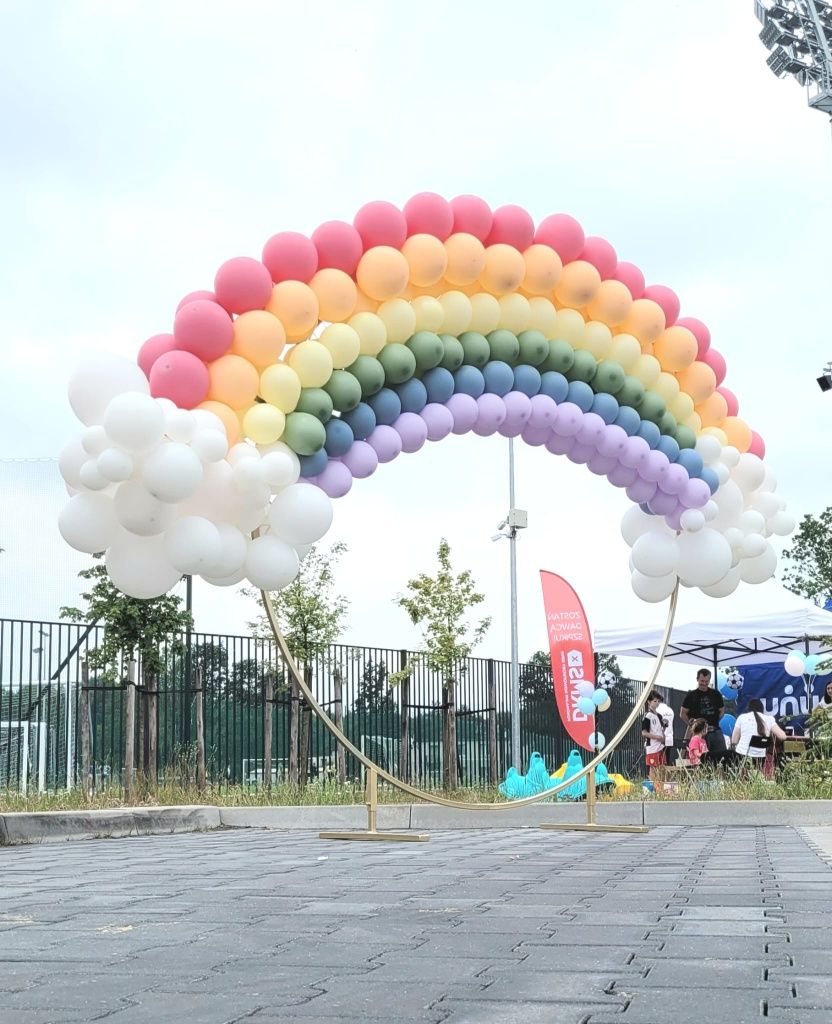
{"points": [[799, 35]]}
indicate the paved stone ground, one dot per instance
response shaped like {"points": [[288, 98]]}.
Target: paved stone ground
{"points": [[674, 927]]}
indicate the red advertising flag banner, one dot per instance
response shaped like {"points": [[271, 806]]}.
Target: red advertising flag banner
{"points": [[570, 647]]}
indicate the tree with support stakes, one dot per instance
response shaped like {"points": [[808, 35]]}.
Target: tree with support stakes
{"points": [[808, 562]]}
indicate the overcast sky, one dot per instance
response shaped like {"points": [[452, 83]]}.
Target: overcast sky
{"points": [[144, 143]]}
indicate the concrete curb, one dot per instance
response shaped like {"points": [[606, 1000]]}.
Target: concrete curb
{"points": [[21, 828]]}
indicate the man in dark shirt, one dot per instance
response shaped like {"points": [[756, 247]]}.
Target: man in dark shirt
{"points": [[705, 702]]}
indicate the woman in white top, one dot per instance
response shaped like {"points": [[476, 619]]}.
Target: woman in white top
{"points": [[752, 732]]}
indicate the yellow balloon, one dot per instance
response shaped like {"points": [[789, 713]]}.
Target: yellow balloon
{"points": [[625, 349], [611, 304], [645, 321], [456, 312], [578, 284], [667, 386], [259, 337], [312, 363], [699, 380], [571, 327], [695, 425], [382, 272], [399, 319], [263, 423], [716, 432], [228, 417], [597, 339], [466, 259], [675, 348], [504, 269], [342, 343], [647, 369], [427, 259], [543, 316], [234, 381], [515, 313], [336, 293], [485, 313], [681, 406], [371, 331], [737, 432], [280, 386], [296, 306], [543, 269], [428, 312]]}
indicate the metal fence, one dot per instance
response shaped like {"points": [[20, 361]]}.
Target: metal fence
{"points": [[53, 707]]}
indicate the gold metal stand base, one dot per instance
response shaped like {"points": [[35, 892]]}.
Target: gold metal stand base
{"points": [[378, 837], [593, 827]]}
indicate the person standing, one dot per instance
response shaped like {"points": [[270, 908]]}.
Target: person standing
{"points": [[666, 712], [706, 702], [653, 731]]}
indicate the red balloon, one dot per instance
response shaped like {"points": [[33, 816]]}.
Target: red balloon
{"points": [[730, 400], [181, 377], [193, 296], [429, 214], [204, 329], [472, 216], [242, 284], [631, 276], [290, 256], [667, 299], [700, 332], [757, 446], [563, 233], [152, 349], [601, 255], [381, 223], [339, 245], [511, 225], [717, 363]]}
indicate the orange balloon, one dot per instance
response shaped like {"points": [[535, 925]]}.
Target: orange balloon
{"points": [[336, 293], [234, 381], [543, 269], [504, 269], [645, 321], [578, 284], [737, 432], [258, 337], [466, 259], [296, 306], [713, 410], [427, 259], [382, 273], [364, 304], [698, 380], [611, 304], [228, 417], [675, 348]]}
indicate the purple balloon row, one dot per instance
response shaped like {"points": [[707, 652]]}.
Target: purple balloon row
{"points": [[647, 475]]}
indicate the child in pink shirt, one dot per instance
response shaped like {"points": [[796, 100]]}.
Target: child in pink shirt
{"points": [[697, 745]]}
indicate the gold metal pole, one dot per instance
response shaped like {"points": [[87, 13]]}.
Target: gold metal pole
{"points": [[371, 797], [590, 799]]}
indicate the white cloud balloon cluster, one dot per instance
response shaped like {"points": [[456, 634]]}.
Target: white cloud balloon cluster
{"points": [[718, 546], [157, 489]]}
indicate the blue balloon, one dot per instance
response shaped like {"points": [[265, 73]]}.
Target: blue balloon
{"points": [[727, 692], [527, 380], [499, 377], [580, 394], [586, 705], [600, 697], [650, 432], [361, 420], [670, 447], [386, 405], [468, 380], [628, 419], [727, 723], [606, 407], [711, 479], [413, 395], [439, 384], [691, 460], [555, 385], [311, 465], [339, 437], [811, 665]]}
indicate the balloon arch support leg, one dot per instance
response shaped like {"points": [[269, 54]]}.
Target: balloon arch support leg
{"points": [[374, 771]]}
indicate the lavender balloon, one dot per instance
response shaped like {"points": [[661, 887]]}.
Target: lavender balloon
{"points": [[335, 480], [662, 503], [559, 445], [386, 443], [439, 420], [641, 490], [413, 431], [652, 466], [695, 494], [673, 520], [491, 415], [613, 441], [543, 411], [361, 460], [582, 453], [674, 479], [634, 451], [592, 429], [601, 465], [464, 410], [569, 420], [518, 409], [622, 476], [536, 436]]}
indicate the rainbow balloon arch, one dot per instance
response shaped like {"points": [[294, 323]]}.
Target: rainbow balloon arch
{"points": [[220, 451]]}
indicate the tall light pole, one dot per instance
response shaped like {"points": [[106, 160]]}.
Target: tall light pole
{"points": [[799, 35]]}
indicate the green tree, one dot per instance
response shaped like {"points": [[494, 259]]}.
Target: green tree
{"points": [[440, 606], [374, 688], [808, 562]]}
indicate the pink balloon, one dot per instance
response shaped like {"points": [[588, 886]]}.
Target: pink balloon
{"points": [[731, 400], [569, 420], [204, 329], [629, 275], [537, 436], [386, 443], [757, 446], [491, 414], [640, 490], [601, 465], [181, 377], [695, 494], [193, 296], [152, 349], [511, 226], [518, 409], [601, 255], [381, 223], [413, 431], [543, 411], [699, 331], [464, 410], [622, 476], [339, 245], [429, 214], [667, 299], [361, 460], [438, 419], [563, 233], [674, 479], [290, 256], [242, 284], [613, 441], [472, 216], [335, 479], [716, 361], [662, 504]]}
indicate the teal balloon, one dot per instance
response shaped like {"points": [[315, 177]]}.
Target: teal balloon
{"points": [[811, 664], [583, 366], [427, 349], [398, 362], [505, 347], [668, 424], [586, 705], [316, 402], [304, 433], [369, 373], [631, 392], [533, 347], [560, 358], [609, 377], [454, 354], [344, 390], [475, 348], [652, 407], [685, 437]]}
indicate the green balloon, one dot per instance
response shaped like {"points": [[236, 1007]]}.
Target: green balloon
{"points": [[504, 346], [454, 353], [344, 390], [534, 347], [609, 377], [685, 437], [398, 362], [428, 349], [369, 373], [476, 349], [631, 392], [668, 424], [316, 402], [583, 367], [304, 433], [652, 407], [560, 358]]}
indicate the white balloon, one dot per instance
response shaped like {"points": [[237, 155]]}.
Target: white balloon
{"points": [[782, 523], [91, 477], [692, 519], [655, 555], [303, 550], [114, 465], [271, 564], [597, 740], [726, 586], [730, 456], [94, 440], [242, 450], [215, 495], [226, 581], [301, 514], [710, 510], [749, 472], [96, 382], [172, 472], [72, 457], [752, 521], [193, 545], [653, 588], [210, 445], [167, 406], [88, 522], [753, 545], [634, 523], [794, 665], [280, 447], [248, 476], [139, 512], [704, 557], [734, 536], [134, 422], [138, 566], [730, 502], [759, 569], [205, 419], [766, 503], [708, 448], [233, 551], [278, 469], [180, 425], [723, 474]]}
